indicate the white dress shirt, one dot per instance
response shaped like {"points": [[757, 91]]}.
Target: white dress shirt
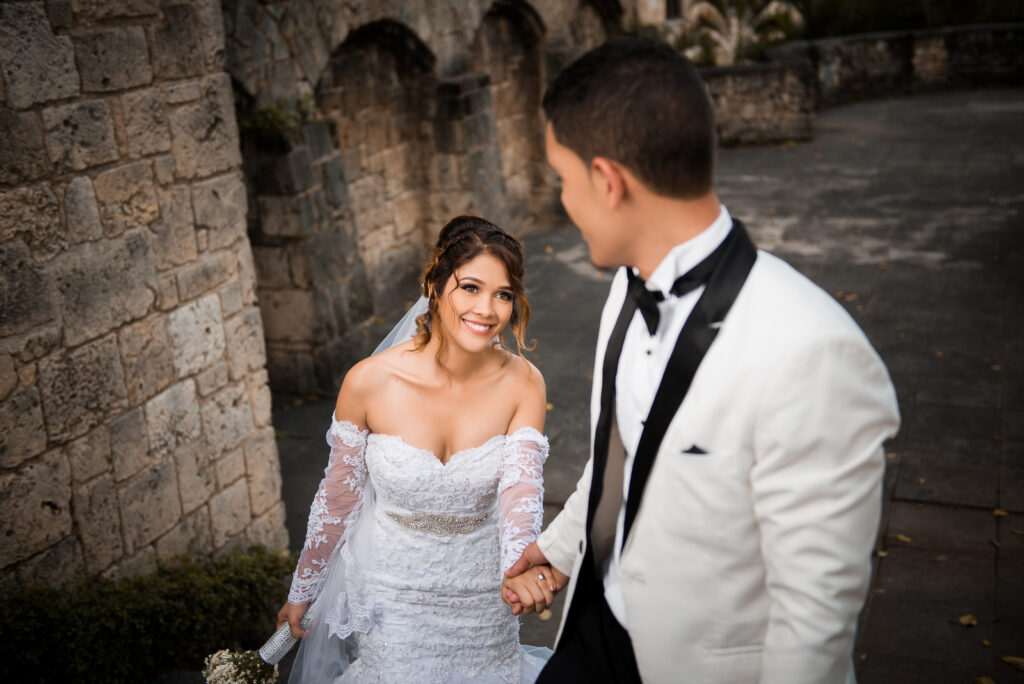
{"points": [[641, 365]]}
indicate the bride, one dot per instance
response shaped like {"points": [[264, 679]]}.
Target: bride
{"points": [[433, 488]]}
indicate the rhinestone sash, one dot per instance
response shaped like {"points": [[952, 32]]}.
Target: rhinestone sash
{"points": [[441, 524]]}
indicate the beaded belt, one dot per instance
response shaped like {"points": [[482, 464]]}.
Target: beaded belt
{"points": [[441, 524]]}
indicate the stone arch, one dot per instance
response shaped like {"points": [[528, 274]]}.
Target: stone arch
{"points": [[594, 22], [508, 48]]}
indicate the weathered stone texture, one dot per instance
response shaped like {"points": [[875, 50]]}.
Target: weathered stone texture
{"points": [[8, 376], [260, 398], [230, 467], [105, 9], [220, 207], [112, 59], [231, 299], [189, 537], [263, 472], [227, 418], [127, 197], [33, 214], [290, 315], [142, 563], [246, 349], [212, 379], [174, 235], [37, 65], [80, 135], [268, 530], [196, 477], [81, 210], [146, 356], [22, 434], [172, 419], [177, 50], [23, 156], [26, 290], [129, 444], [98, 518], [89, 456], [149, 506], [229, 512], [205, 274], [197, 335], [145, 122], [35, 507], [82, 389], [204, 134], [60, 563], [103, 285]]}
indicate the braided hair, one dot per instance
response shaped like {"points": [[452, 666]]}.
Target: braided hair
{"points": [[462, 239]]}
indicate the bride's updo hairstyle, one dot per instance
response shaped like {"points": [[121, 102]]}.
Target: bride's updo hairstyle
{"points": [[461, 240]]}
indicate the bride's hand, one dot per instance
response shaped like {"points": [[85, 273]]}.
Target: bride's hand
{"points": [[292, 614], [530, 592]]}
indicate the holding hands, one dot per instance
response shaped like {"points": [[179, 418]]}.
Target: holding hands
{"points": [[531, 583]]}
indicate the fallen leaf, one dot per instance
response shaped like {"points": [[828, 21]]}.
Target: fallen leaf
{"points": [[851, 297], [548, 249], [986, 642], [280, 434], [1000, 513], [1018, 532], [863, 656], [839, 294], [1014, 661], [892, 454], [921, 480], [938, 355], [544, 615], [903, 538], [941, 558], [995, 368], [983, 680], [881, 553], [297, 402], [879, 591], [549, 406], [994, 543], [312, 398], [380, 319], [968, 620], [859, 307], [882, 265]]}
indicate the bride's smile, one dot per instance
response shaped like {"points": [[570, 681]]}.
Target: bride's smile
{"points": [[477, 302]]}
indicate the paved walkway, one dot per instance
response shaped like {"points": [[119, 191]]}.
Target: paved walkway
{"points": [[909, 212]]}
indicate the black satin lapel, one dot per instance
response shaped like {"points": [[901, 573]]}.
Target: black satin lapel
{"points": [[691, 346]]}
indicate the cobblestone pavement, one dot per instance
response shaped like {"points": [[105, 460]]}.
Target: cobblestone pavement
{"points": [[909, 212]]}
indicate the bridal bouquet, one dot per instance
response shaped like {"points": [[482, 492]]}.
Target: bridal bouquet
{"points": [[238, 667]]}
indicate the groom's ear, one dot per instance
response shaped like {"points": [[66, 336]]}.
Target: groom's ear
{"points": [[609, 181]]}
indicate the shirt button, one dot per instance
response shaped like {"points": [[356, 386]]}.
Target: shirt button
{"points": [[649, 352]]}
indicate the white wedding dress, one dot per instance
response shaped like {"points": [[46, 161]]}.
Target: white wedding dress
{"points": [[410, 554]]}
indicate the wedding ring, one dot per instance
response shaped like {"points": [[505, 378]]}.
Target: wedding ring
{"points": [[540, 576]]}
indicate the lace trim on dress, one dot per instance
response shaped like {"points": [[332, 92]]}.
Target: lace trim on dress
{"points": [[521, 492], [347, 433]]}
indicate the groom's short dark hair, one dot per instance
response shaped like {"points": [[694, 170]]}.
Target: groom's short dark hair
{"points": [[642, 104]]}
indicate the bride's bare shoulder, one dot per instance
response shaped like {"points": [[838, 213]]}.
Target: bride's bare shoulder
{"points": [[364, 380]]}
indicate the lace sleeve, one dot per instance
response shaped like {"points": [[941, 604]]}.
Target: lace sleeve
{"points": [[521, 493], [337, 498]]}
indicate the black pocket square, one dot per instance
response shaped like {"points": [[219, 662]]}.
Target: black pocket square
{"points": [[695, 451]]}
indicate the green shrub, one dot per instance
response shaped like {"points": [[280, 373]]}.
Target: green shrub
{"points": [[135, 629]]}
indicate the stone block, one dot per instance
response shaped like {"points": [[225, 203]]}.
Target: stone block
{"points": [[146, 358], [80, 208], [190, 537], [180, 93], [26, 290], [82, 388], [231, 299], [80, 135], [35, 506], [60, 563], [99, 523], [246, 349], [204, 134], [142, 563], [103, 285], [408, 211], [129, 444], [230, 467], [197, 335], [196, 480], [105, 9], [8, 375], [334, 184], [23, 156], [293, 171], [177, 52], [260, 398], [220, 207], [263, 471], [268, 530], [172, 419], [22, 433], [37, 65], [166, 291], [204, 274], [229, 513], [318, 139], [291, 316], [34, 345], [286, 215], [127, 197], [163, 168], [272, 266], [33, 213], [212, 379], [211, 33], [174, 235], [149, 506], [246, 273], [145, 122], [227, 418], [89, 456], [112, 59]]}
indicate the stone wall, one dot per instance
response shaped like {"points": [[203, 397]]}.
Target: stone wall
{"points": [[134, 403], [425, 110], [882, 64], [760, 104]]}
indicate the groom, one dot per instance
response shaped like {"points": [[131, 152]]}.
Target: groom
{"points": [[723, 526]]}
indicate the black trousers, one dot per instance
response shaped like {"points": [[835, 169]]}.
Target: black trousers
{"points": [[594, 647]]}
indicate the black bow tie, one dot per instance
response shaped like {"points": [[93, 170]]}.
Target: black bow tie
{"points": [[647, 300]]}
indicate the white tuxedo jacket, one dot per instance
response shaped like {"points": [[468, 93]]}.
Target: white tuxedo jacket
{"points": [[750, 563]]}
